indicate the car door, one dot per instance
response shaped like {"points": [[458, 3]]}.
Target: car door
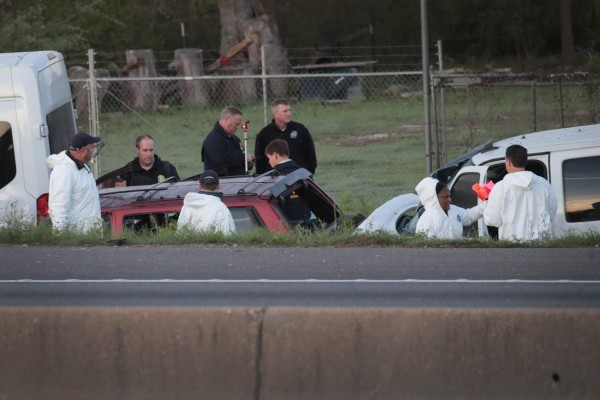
{"points": [[463, 195]]}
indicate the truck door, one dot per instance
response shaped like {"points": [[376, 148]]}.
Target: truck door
{"points": [[463, 196]]}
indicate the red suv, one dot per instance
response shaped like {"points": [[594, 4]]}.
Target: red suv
{"points": [[278, 203]]}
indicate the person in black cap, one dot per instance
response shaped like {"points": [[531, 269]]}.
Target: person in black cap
{"points": [[73, 197], [147, 168], [204, 211]]}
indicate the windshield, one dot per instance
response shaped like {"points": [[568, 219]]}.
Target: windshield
{"points": [[447, 172]]}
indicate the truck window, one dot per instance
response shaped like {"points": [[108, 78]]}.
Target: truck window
{"points": [[8, 167], [61, 127], [582, 189]]}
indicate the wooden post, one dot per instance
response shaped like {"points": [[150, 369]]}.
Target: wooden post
{"points": [[229, 54], [145, 93], [188, 62], [264, 32], [81, 90]]}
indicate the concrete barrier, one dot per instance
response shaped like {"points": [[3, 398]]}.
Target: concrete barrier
{"points": [[288, 353], [130, 353]]}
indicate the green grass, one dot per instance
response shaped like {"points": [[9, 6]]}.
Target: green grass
{"points": [[44, 235]]}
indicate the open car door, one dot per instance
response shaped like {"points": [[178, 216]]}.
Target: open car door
{"points": [[463, 195]]}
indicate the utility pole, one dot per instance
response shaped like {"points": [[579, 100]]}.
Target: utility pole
{"points": [[425, 66]]}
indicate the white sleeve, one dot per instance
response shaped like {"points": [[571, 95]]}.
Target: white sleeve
{"points": [[471, 215], [492, 214], [59, 196]]}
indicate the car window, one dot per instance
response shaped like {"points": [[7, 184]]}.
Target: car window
{"points": [[8, 167], [245, 218], [497, 172], [462, 190], [582, 189], [150, 222]]}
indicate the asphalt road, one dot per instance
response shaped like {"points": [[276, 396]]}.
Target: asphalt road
{"points": [[315, 277]]}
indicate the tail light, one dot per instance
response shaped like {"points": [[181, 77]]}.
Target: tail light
{"points": [[43, 210]]}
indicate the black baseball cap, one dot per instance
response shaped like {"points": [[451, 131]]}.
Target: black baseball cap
{"points": [[82, 139], [209, 177]]}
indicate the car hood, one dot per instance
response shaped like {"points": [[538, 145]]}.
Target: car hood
{"points": [[384, 218]]}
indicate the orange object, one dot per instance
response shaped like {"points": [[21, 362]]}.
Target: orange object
{"points": [[483, 192]]}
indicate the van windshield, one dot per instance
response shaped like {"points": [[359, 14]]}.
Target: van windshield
{"points": [[61, 127]]}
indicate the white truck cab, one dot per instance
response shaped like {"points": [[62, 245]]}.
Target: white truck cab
{"points": [[569, 158], [36, 120]]}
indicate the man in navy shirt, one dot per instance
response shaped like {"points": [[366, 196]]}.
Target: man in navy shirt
{"points": [[222, 150], [298, 138]]}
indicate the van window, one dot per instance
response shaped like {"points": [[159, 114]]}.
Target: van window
{"points": [[61, 127], [582, 189], [8, 167]]}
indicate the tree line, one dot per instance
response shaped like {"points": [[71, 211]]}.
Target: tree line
{"points": [[470, 29]]}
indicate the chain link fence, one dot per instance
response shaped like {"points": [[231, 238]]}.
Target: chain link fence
{"points": [[366, 118]]}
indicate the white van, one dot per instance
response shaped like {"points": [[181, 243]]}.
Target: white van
{"points": [[36, 120], [568, 158]]}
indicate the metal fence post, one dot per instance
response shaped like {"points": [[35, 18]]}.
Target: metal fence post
{"points": [[94, 123], [264, 82], [425, 66], [442, 105], [534, 105], [560, 99]]}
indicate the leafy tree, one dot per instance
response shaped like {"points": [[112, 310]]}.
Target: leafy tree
{"points": [[35, 27]]}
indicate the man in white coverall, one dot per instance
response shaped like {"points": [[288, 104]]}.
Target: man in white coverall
{"points": [[441, 219], [522, 205], [72, 196], [204, 211]]}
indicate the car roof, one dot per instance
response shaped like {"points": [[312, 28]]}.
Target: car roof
{"points": [[544, 142], [264, 186]]}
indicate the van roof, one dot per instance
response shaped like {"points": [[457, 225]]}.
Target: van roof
{"points": [[535, 143], [545, 142], [37, 59]]}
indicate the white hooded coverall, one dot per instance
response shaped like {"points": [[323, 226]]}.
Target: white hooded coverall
{"points": [[522, 206], [434, 222], [205, 213], [72, 196]]}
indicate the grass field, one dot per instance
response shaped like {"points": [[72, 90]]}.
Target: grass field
{"points": [[368, 151]]}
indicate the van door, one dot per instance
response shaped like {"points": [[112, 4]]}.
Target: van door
{"points": [[576, 182], [13, 200], [461, 190]]}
